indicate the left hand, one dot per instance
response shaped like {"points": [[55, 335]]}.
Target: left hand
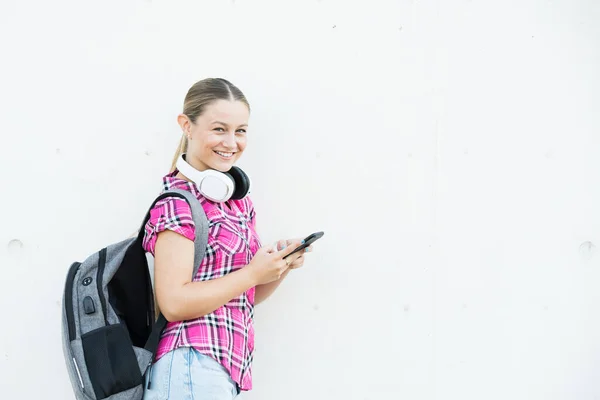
{"points": [[298, 258]]}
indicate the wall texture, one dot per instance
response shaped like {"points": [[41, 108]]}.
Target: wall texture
{"points": [[449, 149]]}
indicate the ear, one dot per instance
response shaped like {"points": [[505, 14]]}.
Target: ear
{"points": [[185, 124]]}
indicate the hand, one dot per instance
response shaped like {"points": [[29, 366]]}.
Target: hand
{"points": [[268, 264], [297, 258]]}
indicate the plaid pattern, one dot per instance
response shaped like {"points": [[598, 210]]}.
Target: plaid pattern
{"points": [[227, 334]]}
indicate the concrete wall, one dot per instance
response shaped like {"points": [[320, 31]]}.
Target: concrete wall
{"points": [[449, 150]]}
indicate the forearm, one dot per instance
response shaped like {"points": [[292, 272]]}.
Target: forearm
{"points": [[195, 299], [264, 291]]}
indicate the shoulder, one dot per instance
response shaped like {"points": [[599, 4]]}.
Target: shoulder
{"points": [[173, 214], [174, 208]]}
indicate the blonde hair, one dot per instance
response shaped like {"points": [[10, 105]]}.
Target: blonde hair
{"points": [[199, 96]]}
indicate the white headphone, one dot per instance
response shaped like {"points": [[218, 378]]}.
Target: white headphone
{"points": [[215, 185]]}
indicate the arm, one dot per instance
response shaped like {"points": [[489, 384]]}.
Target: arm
{"points": [[179, 298], [264, 291]]}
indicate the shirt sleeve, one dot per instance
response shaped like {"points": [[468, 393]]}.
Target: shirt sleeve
{"points": [[171, 213]]}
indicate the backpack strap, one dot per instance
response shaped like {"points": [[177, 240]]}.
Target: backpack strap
{"points": [[200, 244], [201, 223]]}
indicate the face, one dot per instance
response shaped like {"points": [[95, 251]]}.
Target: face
{"points": [[218, 137]]}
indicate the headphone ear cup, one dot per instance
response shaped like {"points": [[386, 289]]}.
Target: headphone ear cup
{"points": [[241, 182]]}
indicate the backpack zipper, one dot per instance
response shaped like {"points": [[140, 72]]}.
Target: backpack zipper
{"points": [[69, 299], [100, 273], [78, 373], [150, 323], [149, 372]]}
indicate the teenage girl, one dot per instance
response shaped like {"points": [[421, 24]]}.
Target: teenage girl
{"points": [[206, 349]]}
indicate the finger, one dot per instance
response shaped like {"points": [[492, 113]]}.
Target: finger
{"points": [[282, 244], [283, 265], [295, 261], [287, 265], [269, 249], [298, 263], [292, 246], [294, 257], [283, 268], [290, 241]]}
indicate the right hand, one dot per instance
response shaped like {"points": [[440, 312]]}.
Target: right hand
{"points": [[268, 264]]}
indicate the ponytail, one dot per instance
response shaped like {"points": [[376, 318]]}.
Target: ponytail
{"points": [[182, 148]]}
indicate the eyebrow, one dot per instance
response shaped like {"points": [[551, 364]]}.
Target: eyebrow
{"points": [[224, 124]]}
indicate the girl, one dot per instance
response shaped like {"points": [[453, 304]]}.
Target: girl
{"points": [[206, 349]]}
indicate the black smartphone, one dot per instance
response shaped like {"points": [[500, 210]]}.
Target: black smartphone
{"points": [[307, 242]]}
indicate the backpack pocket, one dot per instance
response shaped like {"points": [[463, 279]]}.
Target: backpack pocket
{"points": [[111, 361]]}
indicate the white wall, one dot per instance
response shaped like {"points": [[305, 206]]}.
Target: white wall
{"points": [[449, 149]]}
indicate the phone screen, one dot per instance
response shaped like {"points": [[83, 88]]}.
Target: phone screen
{"points": [[307, 242]]}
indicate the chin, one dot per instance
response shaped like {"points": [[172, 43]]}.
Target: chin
{"points": [[222, 166]]}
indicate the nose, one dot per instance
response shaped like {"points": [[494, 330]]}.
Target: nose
{"points": [[229, 141]]}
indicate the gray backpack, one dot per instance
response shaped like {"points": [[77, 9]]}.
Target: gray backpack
{"points": [[108, 327]]}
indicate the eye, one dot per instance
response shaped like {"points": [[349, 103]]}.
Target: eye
{"points": [[241, 131], [219, 129]]}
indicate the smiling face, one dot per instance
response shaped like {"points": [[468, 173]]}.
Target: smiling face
{"points": [[217, 139]]}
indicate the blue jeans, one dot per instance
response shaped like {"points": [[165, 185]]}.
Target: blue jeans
{"points": [[185, 373]]}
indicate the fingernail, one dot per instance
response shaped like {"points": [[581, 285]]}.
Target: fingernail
{"points": [[306, 250], [302, 242]]}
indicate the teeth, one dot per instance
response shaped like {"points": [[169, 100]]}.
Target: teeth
{"points": [[224, 154]]}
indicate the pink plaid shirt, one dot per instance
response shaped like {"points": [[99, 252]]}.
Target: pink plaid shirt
{"points": [[227, 334]]}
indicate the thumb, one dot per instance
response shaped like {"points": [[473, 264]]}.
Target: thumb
{"points": [[268, 249], [290, 248]]}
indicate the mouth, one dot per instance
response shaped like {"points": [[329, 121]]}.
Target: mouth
{"points": [[225, 155]]}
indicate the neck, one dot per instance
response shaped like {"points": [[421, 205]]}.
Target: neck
{"points": [[196, 163]]}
